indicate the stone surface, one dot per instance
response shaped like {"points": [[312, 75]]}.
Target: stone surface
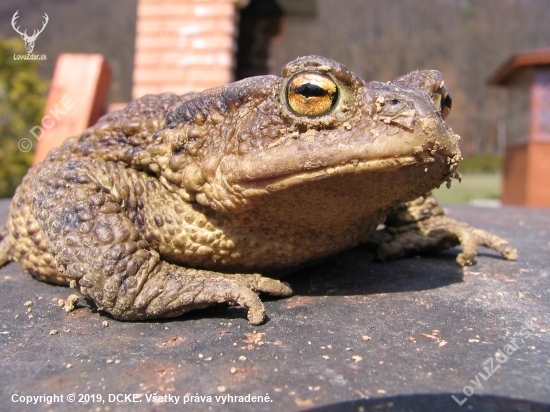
{"points": [[403, 335]]}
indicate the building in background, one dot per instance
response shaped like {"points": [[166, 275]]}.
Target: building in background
{"points": [[526, 77], [192, 45]]}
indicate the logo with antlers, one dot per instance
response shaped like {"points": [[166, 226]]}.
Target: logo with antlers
{"points": [[29, 40]]}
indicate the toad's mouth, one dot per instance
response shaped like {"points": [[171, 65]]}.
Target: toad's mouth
{"points": [[293, 167], [354, 154], [275, 183], [436, 168]]}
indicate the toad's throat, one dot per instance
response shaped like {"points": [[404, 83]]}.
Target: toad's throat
{"points": [[334, 197]]}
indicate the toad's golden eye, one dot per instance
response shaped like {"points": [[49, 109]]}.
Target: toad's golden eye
{"points": [[311, 94]]}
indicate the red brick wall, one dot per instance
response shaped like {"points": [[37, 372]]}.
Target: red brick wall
{"points": [[527, 161], [515, 176], [76, 100], [184, 45], [526, 174], [538, 187]]}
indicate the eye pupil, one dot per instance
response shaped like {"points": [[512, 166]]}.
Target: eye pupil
{"points": [[310, 90], [311, 94], [447, 101]]}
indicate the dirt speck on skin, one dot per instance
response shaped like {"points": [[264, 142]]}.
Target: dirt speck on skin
{"points": [[68, 304]]}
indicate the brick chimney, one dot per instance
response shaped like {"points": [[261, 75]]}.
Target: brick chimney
{"points": [[184, 45], [526, 77]]}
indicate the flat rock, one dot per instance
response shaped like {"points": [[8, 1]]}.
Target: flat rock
{"points": [[357, 336]]}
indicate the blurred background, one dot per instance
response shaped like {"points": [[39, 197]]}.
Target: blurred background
{"points": [[155, 45]]}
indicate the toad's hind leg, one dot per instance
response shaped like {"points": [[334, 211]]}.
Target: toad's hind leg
{"points": [[102, 252], [24, 241], [420, 225]]}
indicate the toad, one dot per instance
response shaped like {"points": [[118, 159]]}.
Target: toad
{"points": [[176, 203]]}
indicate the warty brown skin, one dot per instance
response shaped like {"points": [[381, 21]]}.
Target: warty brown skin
{"points": [[177, 202]]}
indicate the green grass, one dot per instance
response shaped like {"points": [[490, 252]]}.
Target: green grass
{"points": [[473, 186]]}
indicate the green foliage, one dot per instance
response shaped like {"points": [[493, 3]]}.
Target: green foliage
{"points": [[22, 101], [481, 163], [481, 179], [477, 186]]}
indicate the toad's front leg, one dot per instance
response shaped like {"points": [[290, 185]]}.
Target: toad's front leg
{"points": [[420, 225], [92, 218]]}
